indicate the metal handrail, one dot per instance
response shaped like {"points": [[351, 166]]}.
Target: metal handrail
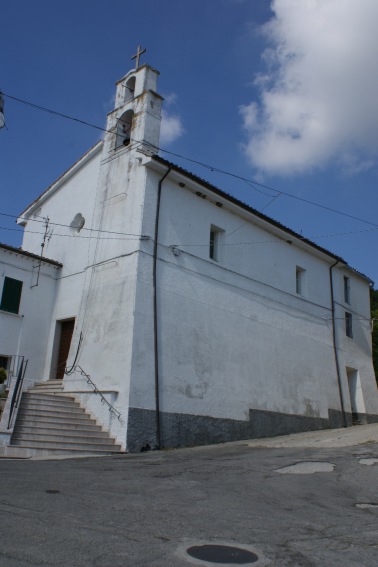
{"points": [[13, 367], [89, 380], [17, 390]]}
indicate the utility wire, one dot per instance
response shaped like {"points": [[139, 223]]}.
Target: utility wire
{"points": [[197, 162], [49, 111], [69, 226], [21, 231], [146, 237]]}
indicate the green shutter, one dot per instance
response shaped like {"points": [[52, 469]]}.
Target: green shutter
{"points": [[10, 300]]}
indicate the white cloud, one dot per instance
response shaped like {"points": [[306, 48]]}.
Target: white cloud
{"points": [[171, 128], [318, 97], [171, 124]]}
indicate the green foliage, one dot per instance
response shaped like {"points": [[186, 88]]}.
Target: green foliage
{"points": [[3, 375], [374, 316]]}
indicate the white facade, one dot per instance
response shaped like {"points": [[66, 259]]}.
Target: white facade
{"points": [[25, 333], [226, 326]]}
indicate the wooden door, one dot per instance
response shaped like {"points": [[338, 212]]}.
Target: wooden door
{"points": [[67, 328]]}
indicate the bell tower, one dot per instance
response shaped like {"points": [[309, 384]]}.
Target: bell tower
{"points": [[106, 316], [135, 121]]}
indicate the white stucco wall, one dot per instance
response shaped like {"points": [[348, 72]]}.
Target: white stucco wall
{"points": [[26, 333], [74, 193], [234, 335], [355, 353]]}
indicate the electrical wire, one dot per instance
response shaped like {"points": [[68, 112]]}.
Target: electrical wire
{"points": [[197, 162], [69, 226], [185, 244], [21, 231]]}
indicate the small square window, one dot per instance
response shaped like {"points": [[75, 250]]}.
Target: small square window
{"points": [[299, 280], [348, 325], [346, 289], [11, 297]]}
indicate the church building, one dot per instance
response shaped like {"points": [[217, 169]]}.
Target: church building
{"points": [[170, 312]]}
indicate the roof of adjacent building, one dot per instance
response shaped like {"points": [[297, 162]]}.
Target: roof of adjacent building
{"points": [[30, 255]]}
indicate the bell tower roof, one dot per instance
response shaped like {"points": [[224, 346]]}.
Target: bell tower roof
{"points": [[136, 117]]}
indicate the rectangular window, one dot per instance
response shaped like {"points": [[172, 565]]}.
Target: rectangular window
{"points": [[4, 360], [299, 280], [346, 289], [11, 297], [215, 234], [348, 325]]}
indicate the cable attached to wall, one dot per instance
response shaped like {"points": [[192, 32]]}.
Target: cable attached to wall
{"points": [[71, 370]]}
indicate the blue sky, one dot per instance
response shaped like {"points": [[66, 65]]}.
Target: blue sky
{"points": [[280, 92]]}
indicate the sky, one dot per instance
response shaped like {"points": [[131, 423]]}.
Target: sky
{"points": [[280, 95]]}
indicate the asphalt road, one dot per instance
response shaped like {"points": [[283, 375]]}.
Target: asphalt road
{"points": [[147, 509]]}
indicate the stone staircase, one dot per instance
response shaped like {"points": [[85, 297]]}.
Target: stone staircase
{"points": [[50, 422]]}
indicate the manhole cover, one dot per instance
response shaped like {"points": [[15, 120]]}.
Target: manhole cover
{"points": [[53, 491], [222, 554]]}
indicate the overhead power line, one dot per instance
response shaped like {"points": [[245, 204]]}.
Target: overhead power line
{"points": [[69, 226], [56, 113], [211, 168], [131, 236]]}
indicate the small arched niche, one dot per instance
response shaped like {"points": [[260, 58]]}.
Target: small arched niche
{"points": [[124, 126], [129, 89]]}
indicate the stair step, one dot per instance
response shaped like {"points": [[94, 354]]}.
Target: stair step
{"points": [[27, 430], [49, 397], [54, 419], [47, 404], [49, 422], [28, 451], [50, 404], [51, 390], [42, 410], [69, 444], [48, 384], [85, 425], [61, 438]]}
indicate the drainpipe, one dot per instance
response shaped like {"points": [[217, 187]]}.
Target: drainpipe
{"points": [[156, 354], [335, 346]]}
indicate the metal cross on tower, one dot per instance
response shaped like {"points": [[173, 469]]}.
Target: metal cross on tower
{"points": [[137, 55]]}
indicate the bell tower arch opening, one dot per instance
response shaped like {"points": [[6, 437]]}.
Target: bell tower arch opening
{"points": [[124, 127], [130, 89]]}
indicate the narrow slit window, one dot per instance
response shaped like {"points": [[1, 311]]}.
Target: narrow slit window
{"points": [[349, 325], [346, 289], [299, 280], [11, 296], [214, 243]]}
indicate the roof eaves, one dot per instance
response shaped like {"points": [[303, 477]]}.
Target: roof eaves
{"points": [[246, 207], [30, 255]]}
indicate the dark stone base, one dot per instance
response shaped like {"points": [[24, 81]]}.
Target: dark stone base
{"points": [[370, 418], [184, 430]]}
